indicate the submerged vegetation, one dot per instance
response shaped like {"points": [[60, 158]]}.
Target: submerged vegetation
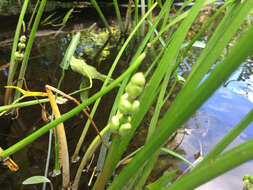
{"points": [[153, 37]]}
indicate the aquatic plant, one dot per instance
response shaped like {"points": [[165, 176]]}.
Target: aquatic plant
{"points": [[166, 51]]}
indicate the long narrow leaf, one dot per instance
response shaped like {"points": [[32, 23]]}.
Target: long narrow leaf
{"points": [[176, 116], [215, 167], [29, 46], [229, 137], [21, 144], [222, 35], [162, 182]]}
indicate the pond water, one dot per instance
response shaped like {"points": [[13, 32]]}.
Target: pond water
{"points": [[44, 69], [213, 120]]}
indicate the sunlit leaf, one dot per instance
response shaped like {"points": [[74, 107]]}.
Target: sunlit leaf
{"points": [[36, 180], [162, 182]]}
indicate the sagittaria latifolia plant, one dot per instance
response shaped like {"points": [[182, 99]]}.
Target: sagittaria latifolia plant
{"points": [[166, 50]]}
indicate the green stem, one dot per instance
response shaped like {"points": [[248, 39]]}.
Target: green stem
{"points": [[176, 20], [166, 16], [215, 167], [29, 46], [13, 64], [149, 3], [92, 148], [33, 14], [196, 37], [26, 141], [94, 3], [228, 138], [48, 156], [109, 163], [116, 6], [142, 15], [57, 151], [182, 8], [128, 156], [136, 4], [107, 80]]}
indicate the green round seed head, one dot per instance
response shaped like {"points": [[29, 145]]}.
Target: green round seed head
{"points": [[125, 106], [22, 39], [114, 124], [124, 96], [136, 106], [133, 90], [129, 119], [19, 56], [21, 45], [250, 179], [124, 129], [138, 79]]}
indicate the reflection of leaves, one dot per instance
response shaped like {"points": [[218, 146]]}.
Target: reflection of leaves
{"points": [[247, 70]]}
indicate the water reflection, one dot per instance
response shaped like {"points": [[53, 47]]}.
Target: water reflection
{"points": [[215, 119]]}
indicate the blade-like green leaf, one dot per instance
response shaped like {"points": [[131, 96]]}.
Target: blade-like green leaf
{"points": [[80, 66], [162, 182], [215, 167], [219, 40], [36, 180], [70, 51], [177, 156], [229, 137], [181, 110]]}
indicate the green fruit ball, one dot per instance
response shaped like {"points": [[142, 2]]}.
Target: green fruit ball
{"points": [[138, 79], [133, 90], [114, 124], [125, 107], [124, 129]]}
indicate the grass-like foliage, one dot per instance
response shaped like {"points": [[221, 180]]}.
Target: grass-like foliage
{"points": [[166, 49]]}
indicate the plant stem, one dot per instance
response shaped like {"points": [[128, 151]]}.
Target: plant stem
{"points": [[196, 37], [94, 3], [29, 46], [215, 167], [92, 148], [228, 138], [116, 6], [21, 144], [81, 139], [183, 108], [13, 64], [108, 166], [63, 153], [48, 157]]}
